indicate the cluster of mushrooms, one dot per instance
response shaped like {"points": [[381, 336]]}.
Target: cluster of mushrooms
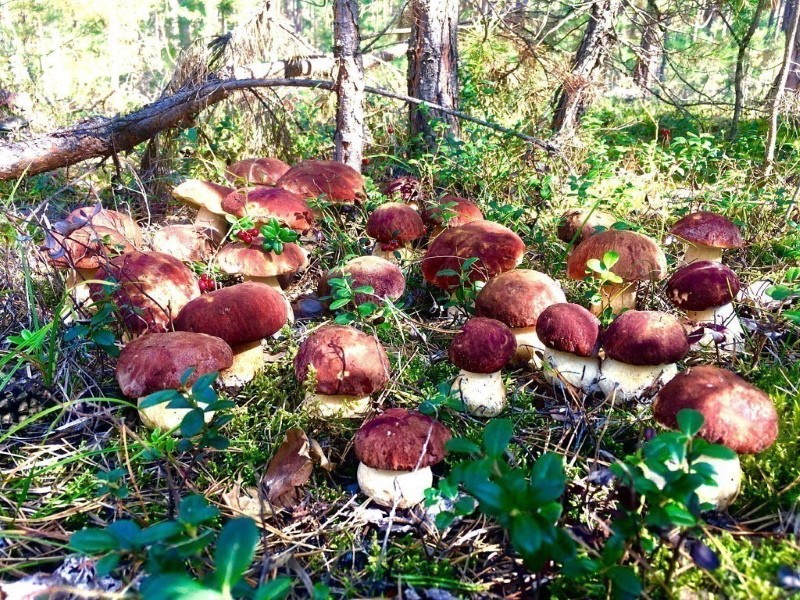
{"points": [[175, 322]]}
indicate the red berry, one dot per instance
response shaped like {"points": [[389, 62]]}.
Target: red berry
{"points": [[390, 129], [245, 237], [365, 161], [253, 232]]}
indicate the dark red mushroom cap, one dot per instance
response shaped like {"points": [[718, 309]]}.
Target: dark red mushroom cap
{"points": [[346, 361], [239, 314], [187, 243], [497, 249], [451, 211], [640, 258], [258, 171], [702, 285], [339, 183], [407, 189], [737, 415], [157, 361], [708, 229], [264, 203], [152, 289], [569, 328], [383, 276], [395, 221], [645, 338], [108, 218], [518, 297], [401, 440], [88, 247], [483, 346], [583, 223]]}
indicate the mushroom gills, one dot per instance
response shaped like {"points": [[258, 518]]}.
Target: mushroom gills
{"points": [[621, 381], [403, 489], [483, 394], [577, 371], [721, 316], [340, 406]]}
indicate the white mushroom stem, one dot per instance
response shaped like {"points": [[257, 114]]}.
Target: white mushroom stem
{"points": [[403, 489], [206, 219], [695, 253], [405, 252], [248, 361], [722, 316], [340, 406], [76, 285], [621, 381], [166, 419], [529, 347], [756, 294], [728, 480], [577, 371], [619, 296], [483, 394]]}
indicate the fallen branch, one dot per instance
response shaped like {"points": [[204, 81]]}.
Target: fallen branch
{"points": [[105, 137]]}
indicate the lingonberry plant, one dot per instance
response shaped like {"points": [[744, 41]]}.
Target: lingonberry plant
{"points": [[343, 301], [276, 235]]}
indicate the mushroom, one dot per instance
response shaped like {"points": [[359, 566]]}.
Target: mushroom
{"points": [[187, 243], [640, 259], [241, 315], [705, 290], [256, 171], [394, 226], [517, 298], [571, 336], [481, 350], [396, 451], [263, 204], [577, 224], [384, 277], [337, 182], [255, 264], [345, 366], [706, 235], [150, 289], [207, 197], [641, 349], [158, 361], [112, 219], [450, 211], [406, 189]]}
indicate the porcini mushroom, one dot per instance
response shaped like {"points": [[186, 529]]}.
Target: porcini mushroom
{"points": [[262, 204], [481, 350], [577, 224], [706, 235], [397, 450], [406, 189], [346, 366], [336, 182], [571, 337], [255, 264], [92, 216], [256, 171], [384, 277], [207, 197], [394, 226], [449, 211], [187, 243]]}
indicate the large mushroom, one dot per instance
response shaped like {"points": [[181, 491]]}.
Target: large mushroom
{"points": [[384, 277], [337, 182], [92, 216], [397, 450], [263, 204], [706, 235], [517, 298], [577, 224], [394, 226], [256, 171], [256, 264], [571, 337], [345, 366], [639, 259], [207, 197], [149, 288], [641, 349], [481, 350], [158, 361], [241, 315]]}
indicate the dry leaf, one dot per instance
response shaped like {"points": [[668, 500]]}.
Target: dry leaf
{"points": [[245, 501], [288, 470]]}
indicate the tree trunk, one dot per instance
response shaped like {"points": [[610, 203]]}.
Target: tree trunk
{"points": [[433, 65], [349, 138], [651, 49], [738, 79], [598, 42]]}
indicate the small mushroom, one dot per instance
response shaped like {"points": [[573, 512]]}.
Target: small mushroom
{"points": [[405, 189], [207, 197], [384, 277], [706, 235], [256, 264], [571, 336], [481, 350], [449, 211], [577, 224], [394, 226], [256, 171], [396, 451]]}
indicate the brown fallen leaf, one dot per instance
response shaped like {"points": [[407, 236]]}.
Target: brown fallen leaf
{"points": [[245, 501], [288, 470]]}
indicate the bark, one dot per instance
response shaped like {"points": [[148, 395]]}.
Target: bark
{"points": [[743, 45], [651, 49], [598, 42], [433, 66], [349, 138]]}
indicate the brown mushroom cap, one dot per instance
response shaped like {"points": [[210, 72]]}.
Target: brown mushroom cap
{"points": [[518, 297], [569, 328], [202, 194], [263, 204], [451, 211], [257, 171], [497, 249], [383, 276], [157, 361], [583, 223], [737, 414], [407, 189], [339, 183], [645, 338], [239, 314], [88, 247], [108, 218], [395, 221], [708, 229], [252, 261], [346, 361], [702, 285], [483, 346], [640, 258], [152, 289], [401, 440], [187, 243]]}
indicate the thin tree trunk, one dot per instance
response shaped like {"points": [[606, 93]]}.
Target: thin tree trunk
{"points": [[651, 49], [598, 42], [738, 79], [433, 65], [780, 86], [349, 138]]}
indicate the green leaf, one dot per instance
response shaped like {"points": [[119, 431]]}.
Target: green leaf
{"points": [[594, 265], [712, 451], [689, 421], [321, 592], [194, 510], [94, 541], [447, 273], [548, 478], [192, 423], [236, 547], [462, 446], [444, 519], [490, 495], [625, 583], [277, 589], [336, 304], [157, 398], [364, 289], [158, 533], [103, 337], [187, 374], [679, 515], [466, 505], [177, 585], [496, 436], [526, 534], [107, 564], [204, 382], [610, 258]]}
